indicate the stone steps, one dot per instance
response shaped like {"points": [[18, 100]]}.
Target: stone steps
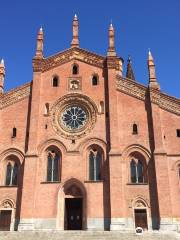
{"points": [[83, 235]]}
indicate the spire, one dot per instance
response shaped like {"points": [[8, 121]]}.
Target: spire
{"points": [[40, 39], [111, 50], [2, 75], [129, 72], [152, 73], [75, 39]]}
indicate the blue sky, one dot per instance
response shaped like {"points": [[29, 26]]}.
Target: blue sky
{"points": [[139, 25]]}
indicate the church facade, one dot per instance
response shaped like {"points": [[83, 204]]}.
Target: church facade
{"points": [[84, 148]]}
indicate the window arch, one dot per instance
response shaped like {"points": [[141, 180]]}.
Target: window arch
{"points": [[137, 171], [95, 80], [95, 158], [11, 174], [75, 69], [53, 165], [55, 81]]}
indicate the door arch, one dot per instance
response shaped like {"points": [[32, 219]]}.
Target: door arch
{"points": [[72, 194]]}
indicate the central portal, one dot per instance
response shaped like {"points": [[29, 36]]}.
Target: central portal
{"points": [[73, 213]]}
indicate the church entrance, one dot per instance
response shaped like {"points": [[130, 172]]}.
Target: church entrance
{"points": [[5, 220], [141, 218], [74, 213]]}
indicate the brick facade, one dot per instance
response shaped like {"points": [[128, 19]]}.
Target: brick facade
{"points": [[113, 106]]}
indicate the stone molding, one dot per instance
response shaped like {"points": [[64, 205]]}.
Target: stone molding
{"points": [[131, 87], [68, 55], [15, 95], [66, 101], [137, 90]]}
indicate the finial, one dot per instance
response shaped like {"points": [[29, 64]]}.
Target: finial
{"points": [[152, 72], [149, 51], [2, 61], [111, 50], [39, 47], [75, 38]]}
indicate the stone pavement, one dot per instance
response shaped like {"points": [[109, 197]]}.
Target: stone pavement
{"points": [[86, 235]]}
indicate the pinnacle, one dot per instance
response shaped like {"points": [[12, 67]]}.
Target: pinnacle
{"points": [[2, 61], [75, 17]]}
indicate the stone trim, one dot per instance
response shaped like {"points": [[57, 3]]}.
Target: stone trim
{"points": [[137, 90], [72, 54], [15, 95]]}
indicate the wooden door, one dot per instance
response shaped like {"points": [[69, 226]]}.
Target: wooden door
{"points": [[5, 220], [74, 213], [141, 218]]}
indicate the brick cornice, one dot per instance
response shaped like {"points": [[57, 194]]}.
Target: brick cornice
{"points": [[14, 95], [72, 54], [137, 90]]}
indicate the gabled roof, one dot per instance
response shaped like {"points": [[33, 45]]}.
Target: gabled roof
{"points": [[15, 95], [139, 91], [74, 53]]}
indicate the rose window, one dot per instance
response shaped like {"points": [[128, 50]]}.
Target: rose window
{"points": [[74, 117]]}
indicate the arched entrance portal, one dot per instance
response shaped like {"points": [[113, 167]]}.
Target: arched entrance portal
{"points": [[73, 218]]}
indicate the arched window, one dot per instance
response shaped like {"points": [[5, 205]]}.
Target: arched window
{"points": [[75, 69], [95, 164], [137, 171], [53, 168], [135, 129], [15, 174], [55, 81], [8, 174], [46, 109], [101, 107], [95, 80], [133, 171], [140, 172], [14, 132], [11, 174]]}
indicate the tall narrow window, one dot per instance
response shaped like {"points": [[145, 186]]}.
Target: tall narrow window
{"points": [[94, 80], [46, 109], [178, 132], [95, 163], [137, 171], [75, 69], [15, 174], [140, 172], [135, 129], [11, 174], [133, 171], [55, 81], [14, 132], [53, 166], [8, 174]]}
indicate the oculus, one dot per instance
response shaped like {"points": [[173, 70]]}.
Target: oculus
{"points": [[74, 117]]}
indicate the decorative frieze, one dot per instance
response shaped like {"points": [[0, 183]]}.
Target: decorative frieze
{"points": [[73, 53], [15, 95], [131, 88], [137, 90]]}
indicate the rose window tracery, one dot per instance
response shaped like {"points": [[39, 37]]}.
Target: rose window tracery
{"points": [[74, 117]]}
